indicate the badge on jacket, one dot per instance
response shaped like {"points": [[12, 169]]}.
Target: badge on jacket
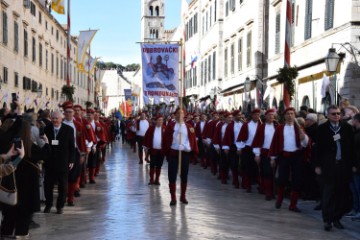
{"points": [[192, 130], [98, 129], [87, 126]]}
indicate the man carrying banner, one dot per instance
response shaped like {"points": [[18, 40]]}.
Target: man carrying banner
{"points": [[179, 140]]}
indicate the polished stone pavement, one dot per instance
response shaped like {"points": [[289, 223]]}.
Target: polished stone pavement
{"points": [[121, 205]]}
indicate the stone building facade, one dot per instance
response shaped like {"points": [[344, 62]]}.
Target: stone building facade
{"points": [[33, 56]]}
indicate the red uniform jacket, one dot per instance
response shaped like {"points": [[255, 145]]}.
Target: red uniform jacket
{"points": [[168, 139], [149, 135], [244, 132], [129, 133], [89, 133], [217, 138], [277, 143], [259, 137], [209, 129], [100, 134], [191, 123], [80, 136], [198, 130], [229, 138]]}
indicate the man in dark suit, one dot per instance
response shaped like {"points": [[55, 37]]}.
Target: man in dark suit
{"points": [[61, 139], [335, 163]]}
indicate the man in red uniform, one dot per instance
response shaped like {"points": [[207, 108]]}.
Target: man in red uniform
{"points": [[261, 145], [217, 141], [199, 129], [90, 139], [229, 146], [208, 134], [142, 126], [288, 141], [244, 142], [80, 150], [179, 139], [153, 145], [101, 134]]}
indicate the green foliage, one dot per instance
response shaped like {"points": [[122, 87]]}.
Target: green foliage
{"points": [[286, 76], [110, 65], [68, 92]]}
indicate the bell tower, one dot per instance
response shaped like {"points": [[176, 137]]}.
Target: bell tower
{"points": [[152, 20]]}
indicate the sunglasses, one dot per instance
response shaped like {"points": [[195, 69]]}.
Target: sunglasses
{"points": [[335, 113]]}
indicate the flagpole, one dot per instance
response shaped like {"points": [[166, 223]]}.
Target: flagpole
{"points": [[68, 46], [181, 87], [89, 80], [286, 96]]}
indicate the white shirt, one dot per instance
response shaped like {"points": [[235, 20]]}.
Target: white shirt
{"points": [[223, 129], [290, 140], [157, 138], [268, 136], [184, 145], [143, 127], [93, 125], [71, 124], [202, 125], [252, 126]]}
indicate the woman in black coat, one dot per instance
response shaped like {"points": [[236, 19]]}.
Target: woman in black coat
{"points": [[18, 217]]}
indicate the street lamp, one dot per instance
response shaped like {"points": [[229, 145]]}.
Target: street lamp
{"points": [[332, 60]]}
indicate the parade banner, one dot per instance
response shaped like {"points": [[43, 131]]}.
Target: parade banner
{"points": [[58, 6], [127, 93], [90, 63], [84, 40], [160, 66]]}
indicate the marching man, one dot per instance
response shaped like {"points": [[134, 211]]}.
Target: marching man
{"points": [[261, 145], [288, 141], [179, 138], [153, 141], [142, 126]]}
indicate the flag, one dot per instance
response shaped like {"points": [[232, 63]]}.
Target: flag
{"points": [[118, 114], [136, 89], [193, 60], [89, 64], [84, 40], [58, 6]]}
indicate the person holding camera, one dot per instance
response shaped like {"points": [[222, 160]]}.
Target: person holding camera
{"points": [[17, 219]]}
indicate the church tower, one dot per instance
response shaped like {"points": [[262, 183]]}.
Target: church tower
{"points": [[152, 20]]}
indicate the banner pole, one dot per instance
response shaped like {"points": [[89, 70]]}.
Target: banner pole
{"points": [[181, 120]]}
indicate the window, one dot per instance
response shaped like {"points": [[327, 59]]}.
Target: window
{"points": [[214, 66], [226, 8], [232, 5], [61, 69], [57, 35], [52, 93], [46, 60], [277, 33], [47, 91], [226, 62], [232, 54], [40, 17], [157, 11], [26, 51], [33, 49], [40, 55], [5, 75], [209, 68], [248, 49], [46, 25], [57, 66], [215, 7], [16, 79], [52, 63], [203, 25], [195, 23], [329, 14], [202, 74], [210, 13], [194, 77], [5, 28], [240, 54], [308, 19], [16, 36], [205, 70], [32, 9], [207, 22], [52, 30], [151, 11]]}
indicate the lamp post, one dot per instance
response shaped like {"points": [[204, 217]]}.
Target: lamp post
{"points": [[332, 60]]}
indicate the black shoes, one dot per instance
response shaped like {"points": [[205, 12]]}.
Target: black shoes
{"points": [[173, 203], [59, 211], [77, 194], [277, 205], [327, 226], [337, 224], [47, 209], [33, 225], [70, 204], [294, 209], [92, 182]]}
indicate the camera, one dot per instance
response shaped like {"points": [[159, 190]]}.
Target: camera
{"points": [[41, 131], [17, 142]]}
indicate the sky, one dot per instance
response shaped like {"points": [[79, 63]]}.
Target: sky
{"points": [[119, 25]]}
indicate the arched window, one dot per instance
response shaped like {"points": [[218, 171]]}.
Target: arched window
{"points": [[306, 101], [151, 11], [157, 12]]}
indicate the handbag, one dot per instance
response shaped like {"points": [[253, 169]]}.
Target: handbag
{"points": [[8, 196]]}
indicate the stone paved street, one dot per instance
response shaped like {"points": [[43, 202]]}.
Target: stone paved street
{"points": [[122, 206]]}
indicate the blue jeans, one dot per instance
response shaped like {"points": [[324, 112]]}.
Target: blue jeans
{"points": [[355, 189]]}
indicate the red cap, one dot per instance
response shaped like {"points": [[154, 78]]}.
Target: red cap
{"points": [[78, 106], [236, 112], [256, 110], [158, 116], [271, 110], [90, 110], [289, 109], [226, 114], [67, 105]]}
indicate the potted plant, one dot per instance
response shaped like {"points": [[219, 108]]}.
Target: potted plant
{"points": [[68, 92]]}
